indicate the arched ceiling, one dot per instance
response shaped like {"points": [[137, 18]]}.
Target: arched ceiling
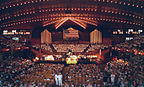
{"points": [[25, 14]]}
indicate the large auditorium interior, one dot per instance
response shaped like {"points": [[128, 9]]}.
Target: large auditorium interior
{"points": [[71, 43]]}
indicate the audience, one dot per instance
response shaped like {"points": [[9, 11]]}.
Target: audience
{"points": [[11, 69], [83, 75], [46, 47], [94, 47], [136, 43], [124, 74], [115, 73]]}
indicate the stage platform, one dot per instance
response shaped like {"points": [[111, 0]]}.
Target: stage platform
{"points": [[64, 62]]}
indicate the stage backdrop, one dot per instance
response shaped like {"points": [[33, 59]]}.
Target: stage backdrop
{"points": [[70, 33]]}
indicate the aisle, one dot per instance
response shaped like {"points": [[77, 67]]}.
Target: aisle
{"points": [[64, 71]]}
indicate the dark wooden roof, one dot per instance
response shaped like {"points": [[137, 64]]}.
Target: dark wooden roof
{"points": [[29, 14]]}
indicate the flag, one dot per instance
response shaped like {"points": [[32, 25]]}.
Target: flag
{"points": [[70, 33]]}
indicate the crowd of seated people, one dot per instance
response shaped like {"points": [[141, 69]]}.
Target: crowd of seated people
{"points": [[136, 63], [46, 47], [136, 43], [71, 42], [124, 74], [10, 69], [118, 73], [40, 75], [73, 47], [135, 60], [83, 75], [93, 47], [24, 73], [10, 43], [42, 46], [36, 46]]}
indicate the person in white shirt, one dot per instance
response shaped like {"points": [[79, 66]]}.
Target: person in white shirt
{"points": [[112, 78], [60, 79], [0, 82], [122, 84], [56, 79]]}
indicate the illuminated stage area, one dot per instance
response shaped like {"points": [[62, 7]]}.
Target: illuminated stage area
{"points": [[69, 58], [71, 43]]}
